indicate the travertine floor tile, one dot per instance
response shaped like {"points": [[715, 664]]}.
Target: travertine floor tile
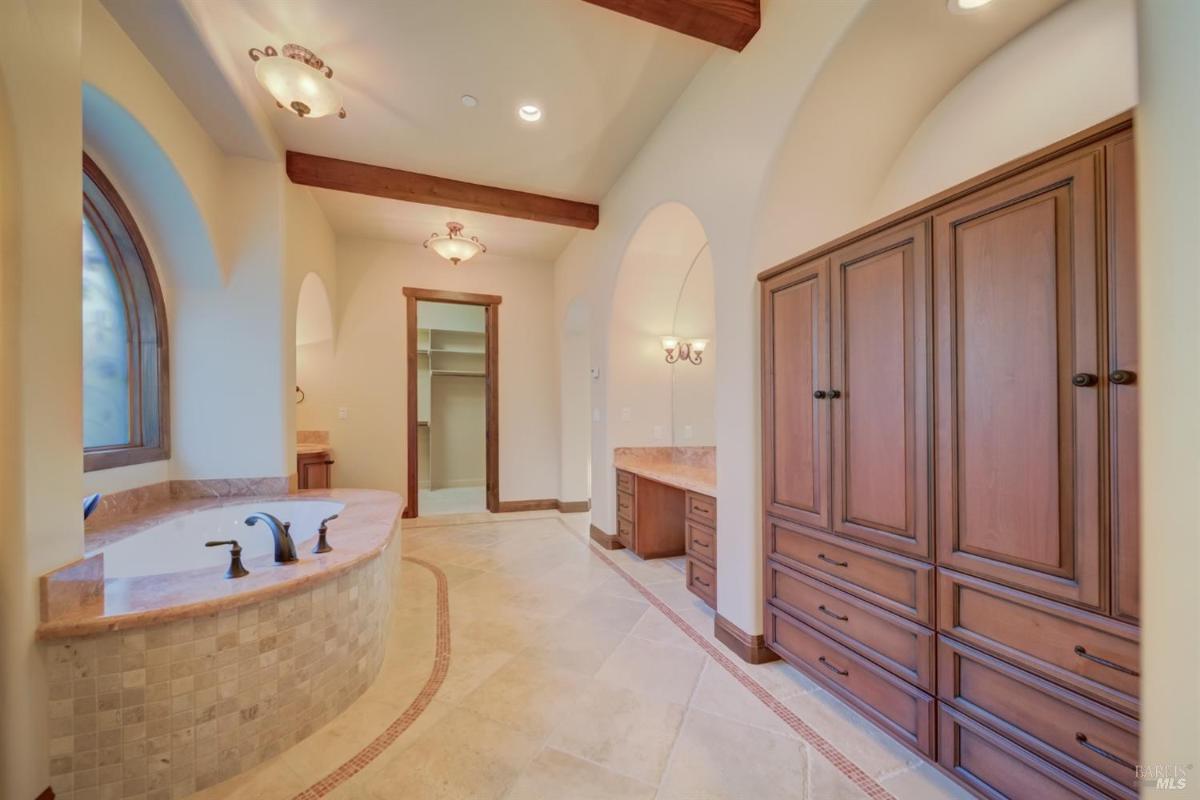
{"points": [[555, 775], [660, 671]]}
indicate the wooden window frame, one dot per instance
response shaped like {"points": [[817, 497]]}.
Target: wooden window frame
{"points": [[491, 307], [146, 317]]}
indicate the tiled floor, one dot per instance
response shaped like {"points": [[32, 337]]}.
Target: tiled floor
{"points": [[459, 500], [566, 683]]}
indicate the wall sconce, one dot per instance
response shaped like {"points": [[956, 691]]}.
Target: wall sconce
{"points": [[690, 351]]}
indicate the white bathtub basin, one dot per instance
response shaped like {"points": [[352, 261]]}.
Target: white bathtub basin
{"points": [[177, 544]]}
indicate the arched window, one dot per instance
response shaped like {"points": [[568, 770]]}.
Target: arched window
{"points": [[125, 399]]}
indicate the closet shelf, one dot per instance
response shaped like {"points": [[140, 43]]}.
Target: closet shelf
{"points": [[457, 372]]}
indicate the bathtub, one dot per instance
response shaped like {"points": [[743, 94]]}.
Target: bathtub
{"points": [[145, 640], [177, 544]]}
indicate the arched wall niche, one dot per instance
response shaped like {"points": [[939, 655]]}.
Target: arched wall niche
{"points": [[315, 356], [664, 286]]}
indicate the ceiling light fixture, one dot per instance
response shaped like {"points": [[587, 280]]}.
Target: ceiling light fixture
{"points": [[965, 6], [453, 246], [690, 351], [529, 112], [469, 101], [299, 81]]}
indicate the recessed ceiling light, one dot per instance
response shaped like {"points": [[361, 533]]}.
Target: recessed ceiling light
{"points": [[469, 101], [529, 112], [963, 6]]}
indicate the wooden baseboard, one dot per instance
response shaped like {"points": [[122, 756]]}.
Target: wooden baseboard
{"points": [[574, 506], [47, 794], [509, 506], [751, 648], [606, 540]]}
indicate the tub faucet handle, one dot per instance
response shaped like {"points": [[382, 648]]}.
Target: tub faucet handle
{"points": [[236, 570], [322, 546]]}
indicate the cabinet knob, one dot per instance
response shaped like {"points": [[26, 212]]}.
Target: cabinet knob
{"points": [[834, 394], [1122, 377], [819, 394], [1084, 379]]}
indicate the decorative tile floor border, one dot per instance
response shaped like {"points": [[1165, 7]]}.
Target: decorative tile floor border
{"points": [[441, 665], [815, 740]]}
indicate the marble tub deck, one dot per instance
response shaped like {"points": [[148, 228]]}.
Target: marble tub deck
{"points": [[78, 599]]}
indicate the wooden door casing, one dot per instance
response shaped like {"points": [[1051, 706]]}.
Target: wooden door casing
{"points": [[795, 422], [880, 370], [1017, 454], [1123, 394]]}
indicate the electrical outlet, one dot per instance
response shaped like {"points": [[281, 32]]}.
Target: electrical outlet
{"points": [[626, 414], [343, 413], [595, 373]]}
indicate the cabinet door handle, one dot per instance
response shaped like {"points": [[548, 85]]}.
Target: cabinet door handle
{"points": [[825, 663], [1100, 751], [829, 613], [1122, 377], [699, 543], [702, 583], [819, 394], [1083, 653], [829, 560], [834, 394], [1084, 379], [330, 463]]}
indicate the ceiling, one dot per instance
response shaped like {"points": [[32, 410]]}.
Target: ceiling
{"points": [[603, 80]]}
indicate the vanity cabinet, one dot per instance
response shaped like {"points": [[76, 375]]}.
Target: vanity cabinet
{"points": [[314, 470], [949, 472]]}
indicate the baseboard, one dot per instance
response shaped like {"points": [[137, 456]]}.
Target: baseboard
{"points": [[751, 648], [574, 506], [47, 794], [606, 540], [509, 506]]}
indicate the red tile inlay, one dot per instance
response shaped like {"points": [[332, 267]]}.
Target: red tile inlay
{"points": [[815, 740], [441, 664]]}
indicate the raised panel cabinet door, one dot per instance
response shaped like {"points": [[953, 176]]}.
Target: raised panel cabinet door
{"points": [[879, 405], [1122, 377], [1017, 419], [795, 394]]}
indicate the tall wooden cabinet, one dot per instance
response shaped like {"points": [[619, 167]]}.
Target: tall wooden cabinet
{"points": [[950, 472]]}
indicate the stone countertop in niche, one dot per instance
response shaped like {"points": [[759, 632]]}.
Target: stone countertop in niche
{"points": [[691, 468], [77, 599]]}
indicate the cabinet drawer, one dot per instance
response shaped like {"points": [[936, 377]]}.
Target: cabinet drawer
{"points": [[1082, 737], [902, 710], [901, 585], [1095, 656], [998, 768], [701, 542], [702, 581], [905, 648], [624, 481], [625, 505], [625, 532], [702, 508]]}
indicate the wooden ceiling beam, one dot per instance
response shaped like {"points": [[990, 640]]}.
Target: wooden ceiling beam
{"points": [[728, 23], [397, 184]]}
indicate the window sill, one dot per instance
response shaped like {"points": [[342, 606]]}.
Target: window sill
{"points": [[94, 460]]}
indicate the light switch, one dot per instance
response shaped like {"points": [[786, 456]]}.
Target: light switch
{"points": [[626, 414], [343, 412], [595, 373]]}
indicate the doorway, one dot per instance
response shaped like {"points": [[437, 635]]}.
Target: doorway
{"points": [[453, 403]]}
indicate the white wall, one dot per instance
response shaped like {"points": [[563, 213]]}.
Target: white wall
{"points": [[40, 355], [694, 386], [457, 432], [1168, 129], [575, 401], [371, 373]]}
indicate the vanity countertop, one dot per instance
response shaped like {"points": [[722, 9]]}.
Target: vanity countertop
{"points": [[693, 469], [311, 448]]}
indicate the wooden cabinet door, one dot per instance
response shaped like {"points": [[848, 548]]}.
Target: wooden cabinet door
{"points": [[1122, 388], [796, 368], [880, 376], [313, 471], [1017, 444]]}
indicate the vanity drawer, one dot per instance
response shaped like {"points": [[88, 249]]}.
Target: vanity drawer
{"points": [[904, 647], [702, 582], [1078, 735], [900, 585], [899, 708], [702, 508], [1093, 655], [625, 505], [701, 542], [624, 481], [998, 768], [625, 532]]}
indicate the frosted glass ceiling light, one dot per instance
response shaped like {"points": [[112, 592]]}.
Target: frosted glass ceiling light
{"points": [[299, 81], [453, 246], [963, 6]]}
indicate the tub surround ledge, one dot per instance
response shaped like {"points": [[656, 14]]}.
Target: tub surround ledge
{"points": [[78, 600]]}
